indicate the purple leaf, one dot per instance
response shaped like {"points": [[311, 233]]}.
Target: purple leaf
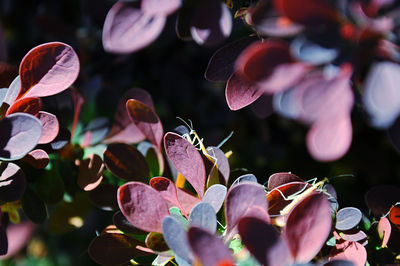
{"points": [[176, 238], [220, 66], [50, 127], [279, 179], [48, 69], [211, 24], [348, 218], [159, 7], [381, 96], [167, 190], [380, 199], [240, 93], [124, 130], [307, 227], [330, 139], [209, 248], [269, 65], [264, 242], [215, 196], [146, 120], [126, 162], [114, 249], [12, 182], [187, 200], [203, 216], [246, 177], [19, 134], [142, 205], [128, 29], [222, 162], [241, 201], [355, 235], [187, 160]]}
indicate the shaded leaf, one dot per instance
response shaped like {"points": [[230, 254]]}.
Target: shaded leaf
{"points": [[215, 196], [3, 241], [128, 29], [221, 161], [34, 208], [156, 242], [18, 235], [307, 227], [209, 248], [279, 179], [264, 242], [154, 157], [37, 158], [176, 238], [240, 201], [90, 172], [380, 199], [220, 66], [19, 134], [29, 105], [124, 225], [330, 139], [12, 182], [203, 216], [48, 69], [50, 186], [348, 218], [114, 249], [211, 23], [142, 205], [126, 162], [104, 196], [61, 140], [352, 251], [187, 160], [146, 120]]}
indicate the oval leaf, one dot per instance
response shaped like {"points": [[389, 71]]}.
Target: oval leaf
{"points": [[90, 172], [159, 7], [203, 216], [19, 134], [142, 205], [348, 218], [167, 190], [187, 160], [38, 158], [279, 179], [176, 238], [12, 182], [104, 197], [307, 227], [384, 230], [48, 69], [215, 196], [156, 242]]}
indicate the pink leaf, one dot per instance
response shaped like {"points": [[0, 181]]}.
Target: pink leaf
{"points": [[352, 251], [128, 29], [167, 190], [187, 160], [330, 139], [50, 127], [384, 230], [159, 7], [308, 226], [37, 158], [187, 200], [48, 69], [279, 179], [142, 205]]}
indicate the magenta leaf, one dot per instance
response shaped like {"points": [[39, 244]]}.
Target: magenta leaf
{"points": [[347, 218], [209, 248], [114, 249], [242, 200], [187, 160], [176, 238], [380, 199], [142, 205], [50, 127], [159, 7], [146, 120], [124, 130], [126, 162], [240, 92], [220, 66], [279, 179], [12, 182], [308, 226], [269, 65], [215, 196], [203, 216], [48, 69], [19, 134], [381, 97], [211, 24], [187, 200], [264, 242], [167, 190], [128, 29], [330, 139]]}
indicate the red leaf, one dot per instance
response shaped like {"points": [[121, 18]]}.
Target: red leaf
{"points": [[308, 226], [29, 105], [128, 29], [394, 216], [187, 160], [143, 206], [48, 69], [146, 120]]}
